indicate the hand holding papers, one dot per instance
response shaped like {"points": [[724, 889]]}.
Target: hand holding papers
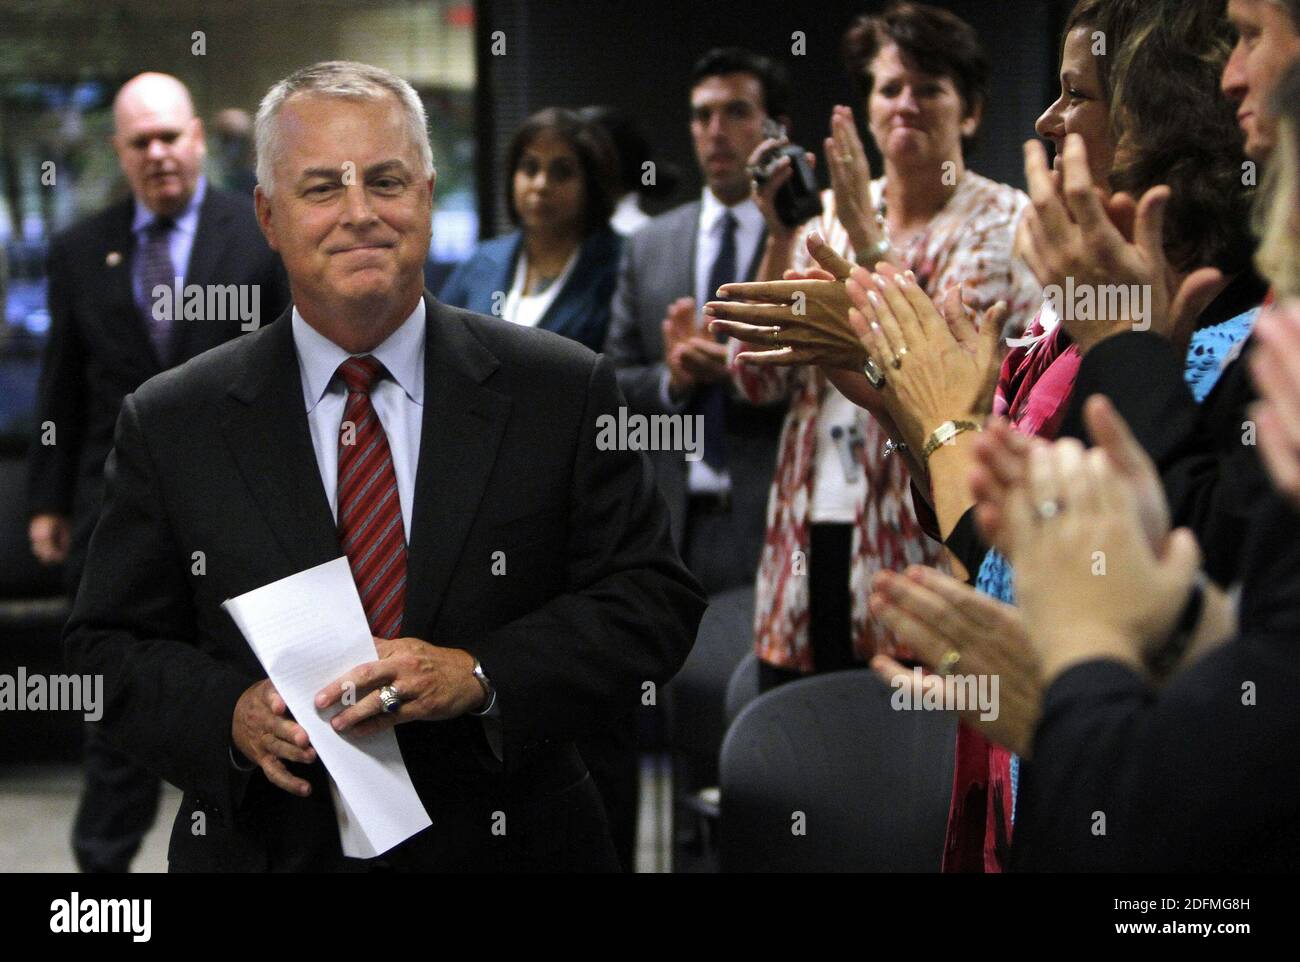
{"points": [[307, 630]]}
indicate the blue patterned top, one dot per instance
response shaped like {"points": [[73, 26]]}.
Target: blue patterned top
{"points": [[1210, 350], [997, 580]]}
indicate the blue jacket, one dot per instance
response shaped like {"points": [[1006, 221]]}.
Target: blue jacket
{"points": [[580, 311]]}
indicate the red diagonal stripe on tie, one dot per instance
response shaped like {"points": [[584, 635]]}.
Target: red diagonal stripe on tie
{"points": [[369, 509]]}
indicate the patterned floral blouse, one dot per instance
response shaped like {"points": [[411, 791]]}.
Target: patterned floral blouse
{"points": [[970, 241]]}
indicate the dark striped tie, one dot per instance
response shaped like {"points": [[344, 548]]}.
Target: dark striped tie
{"points": [[370, 512], [155, 269], [711, 399]]}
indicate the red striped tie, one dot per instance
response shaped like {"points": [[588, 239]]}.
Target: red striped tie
{"points": [[370, 512]]}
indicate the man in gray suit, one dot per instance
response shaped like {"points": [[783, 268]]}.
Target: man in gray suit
{"points": [[667, 363]]}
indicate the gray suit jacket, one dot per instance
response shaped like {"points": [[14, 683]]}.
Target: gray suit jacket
{"points": [[657, 267]]}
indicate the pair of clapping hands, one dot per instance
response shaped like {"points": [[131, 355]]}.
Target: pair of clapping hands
{"points": [[1099, 573], [937, 363], [692, 358]]}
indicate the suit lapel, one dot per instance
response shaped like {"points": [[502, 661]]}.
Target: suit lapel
{"points": [[267, 432], [687, 247], [120, 308], [563, 316], [462, 427]]}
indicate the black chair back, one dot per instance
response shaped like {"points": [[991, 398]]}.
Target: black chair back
{"points": [[824, 775]]}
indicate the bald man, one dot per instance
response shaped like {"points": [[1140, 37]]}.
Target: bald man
{"points": [[115, 323]]}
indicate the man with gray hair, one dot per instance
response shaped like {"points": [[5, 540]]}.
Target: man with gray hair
{"points": [[106, 338], [520, 583]]}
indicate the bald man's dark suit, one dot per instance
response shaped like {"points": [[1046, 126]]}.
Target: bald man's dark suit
{"points": [[98, 351]]}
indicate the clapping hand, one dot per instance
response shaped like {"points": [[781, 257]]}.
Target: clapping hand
{"points": [[1072, 232], [952, 627], [937, 366], [850, 171], [1002, 464], [1088, 580], [691, 358], [798, 321]]}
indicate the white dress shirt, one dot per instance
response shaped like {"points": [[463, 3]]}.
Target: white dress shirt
{"points": [[399, 404], [398, 401], [628, 217], [708, 238], [702, 479]]}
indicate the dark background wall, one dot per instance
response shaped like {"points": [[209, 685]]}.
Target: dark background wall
{"points": [[637, 55]]}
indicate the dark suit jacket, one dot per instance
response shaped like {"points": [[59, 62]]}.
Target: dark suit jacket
{"points": [[1205, 452], [215, 456], [1200, 776], [99, 349], [658, 266], [581, 309]]}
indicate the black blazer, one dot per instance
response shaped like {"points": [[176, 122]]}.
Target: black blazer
{"points": [[1205, 452], [1200, 776], [99, 350], [215, 456]]}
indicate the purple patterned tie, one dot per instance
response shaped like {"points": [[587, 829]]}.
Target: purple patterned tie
{"points": [[154, 267]]}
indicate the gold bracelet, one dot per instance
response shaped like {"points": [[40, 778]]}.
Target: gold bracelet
{"points": [[944, 433]]}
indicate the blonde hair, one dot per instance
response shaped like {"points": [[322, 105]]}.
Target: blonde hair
{"points": [[1278, 257]]}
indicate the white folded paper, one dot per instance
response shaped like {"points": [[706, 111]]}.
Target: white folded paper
{"points": [[307, 630]]}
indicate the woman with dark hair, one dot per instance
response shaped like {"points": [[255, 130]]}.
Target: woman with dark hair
{"points": [[558, 270]]}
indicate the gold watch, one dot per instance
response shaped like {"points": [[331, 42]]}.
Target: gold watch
{"points": [[944, 433]]}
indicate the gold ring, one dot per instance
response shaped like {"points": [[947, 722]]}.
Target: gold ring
{"points": [[898, 358], [846, 158], [948, 662]]}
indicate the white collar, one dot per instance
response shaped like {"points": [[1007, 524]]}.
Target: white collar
{"points": [[747, 214], [402, 353]]}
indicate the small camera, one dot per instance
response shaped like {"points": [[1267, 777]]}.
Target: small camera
{"points": [[797, 201]]}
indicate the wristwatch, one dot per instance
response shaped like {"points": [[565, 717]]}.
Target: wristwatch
{"points": [[489, 692], [944, 433]]}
